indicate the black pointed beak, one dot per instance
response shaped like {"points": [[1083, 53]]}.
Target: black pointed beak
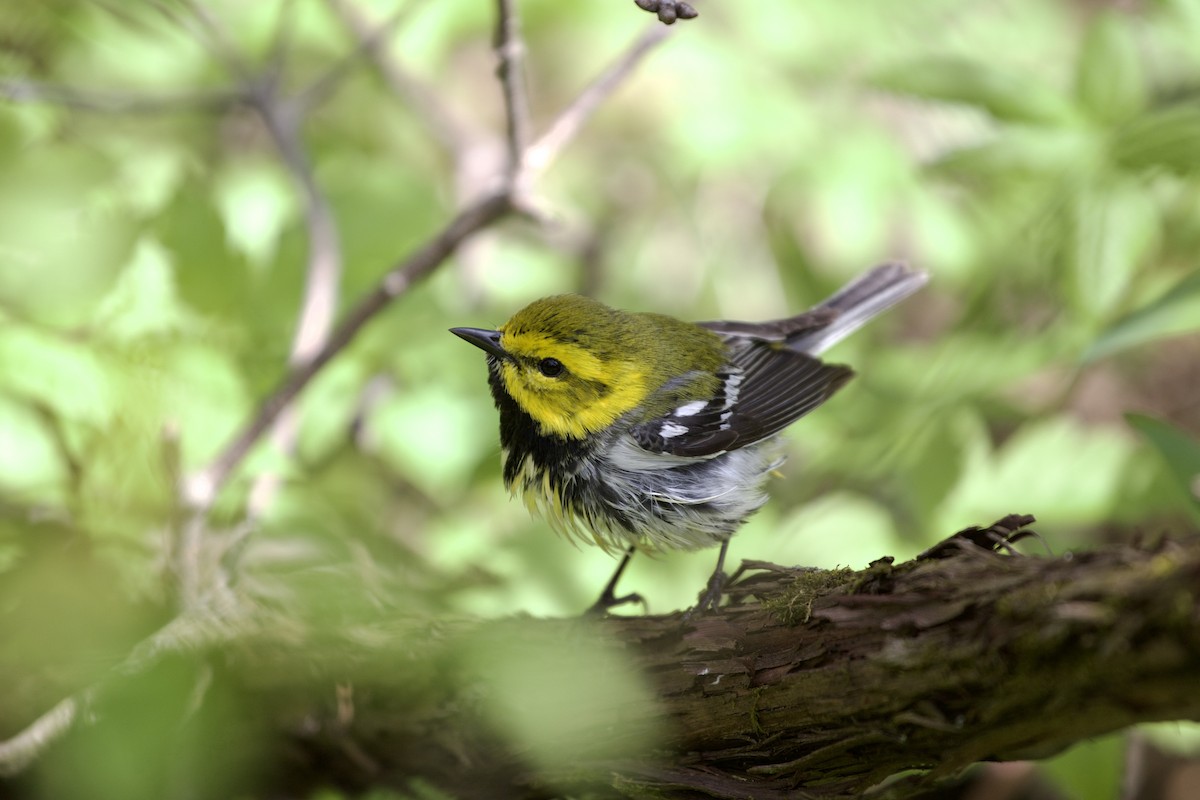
{"points": [[488, 341]]}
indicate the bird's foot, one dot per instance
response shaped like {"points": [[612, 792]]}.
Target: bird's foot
{"points": [[710, 599], [609, 600]]}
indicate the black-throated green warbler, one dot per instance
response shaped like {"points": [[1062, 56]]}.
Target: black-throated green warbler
{"points": [[637, 430]]}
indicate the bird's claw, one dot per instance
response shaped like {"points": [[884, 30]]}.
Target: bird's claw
{"points": [[609, 600], [710, 599]]}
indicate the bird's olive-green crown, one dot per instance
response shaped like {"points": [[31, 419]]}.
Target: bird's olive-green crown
{"points": [[576, 366]]}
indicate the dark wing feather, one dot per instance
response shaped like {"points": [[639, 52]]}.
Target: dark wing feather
{"points": [[774, 377], [764, 390], [779, 387]]}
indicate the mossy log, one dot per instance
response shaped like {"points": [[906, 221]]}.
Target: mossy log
{"points": [[809, 683]]}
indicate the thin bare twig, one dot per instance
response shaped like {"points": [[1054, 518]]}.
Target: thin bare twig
{"points": [[129, 14], [21, 90], [324, 249], [174, 13], [23, 749], [322, 275], [443, 124], [220, 42], [510, 49], [282, 120], [188, 632], [369, 40], [567, 125], [281, 40], [201, 489]]}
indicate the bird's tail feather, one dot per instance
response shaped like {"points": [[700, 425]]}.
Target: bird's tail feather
{"points": [[859, 301]]}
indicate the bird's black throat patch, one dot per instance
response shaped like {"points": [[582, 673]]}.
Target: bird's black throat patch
{"points": [[521, 438], [568, 465]]}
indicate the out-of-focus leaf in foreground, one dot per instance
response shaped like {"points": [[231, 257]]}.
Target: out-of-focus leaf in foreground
{"points": [[1175, 313], [535, 698]]}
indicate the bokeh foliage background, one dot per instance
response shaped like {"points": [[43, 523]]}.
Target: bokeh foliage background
{"points": [[1038, 158]]}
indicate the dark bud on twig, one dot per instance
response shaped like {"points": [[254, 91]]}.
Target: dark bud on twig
{"points": [[668, 10]]}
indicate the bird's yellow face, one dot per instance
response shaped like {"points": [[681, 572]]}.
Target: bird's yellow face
{"points": [[570, 389], [576, 366]]}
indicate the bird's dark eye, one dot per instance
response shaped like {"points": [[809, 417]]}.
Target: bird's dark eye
{"points": [[550, 367]]}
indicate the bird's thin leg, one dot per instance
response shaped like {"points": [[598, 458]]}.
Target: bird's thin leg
{"points": [[608, 597], [712, 595]]}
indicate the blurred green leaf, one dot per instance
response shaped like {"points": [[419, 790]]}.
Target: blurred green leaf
{"points": [[65, 377], [1056, 468], [255, 200], [32, 466], [793, 256], [965, 365], [150, 173], [138, 49], [862, 528], [181, 389], [1181, 738], [1115, 230], [61, 246], [436, 31], [201, 391], [59, 613], [936, 456], [857, 195], [533, 696], [704, 123], [1175, 313], [152, 735], [1006, 95], [516, 274], [328, 407], [191, 385], [430, 436], [1166, 140], [1089, 769], [1023, 153], [1108, 79], [144, 301], [211, 277], [1180, 451]]}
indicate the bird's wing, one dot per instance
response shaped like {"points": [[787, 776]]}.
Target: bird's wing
{"points": [[763, 390]]}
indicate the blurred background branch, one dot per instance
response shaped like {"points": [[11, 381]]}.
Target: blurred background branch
{"points": [[22, 90], [510, 51]]}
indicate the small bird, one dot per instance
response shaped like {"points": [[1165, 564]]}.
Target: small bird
{"points": [[635, 430]]}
